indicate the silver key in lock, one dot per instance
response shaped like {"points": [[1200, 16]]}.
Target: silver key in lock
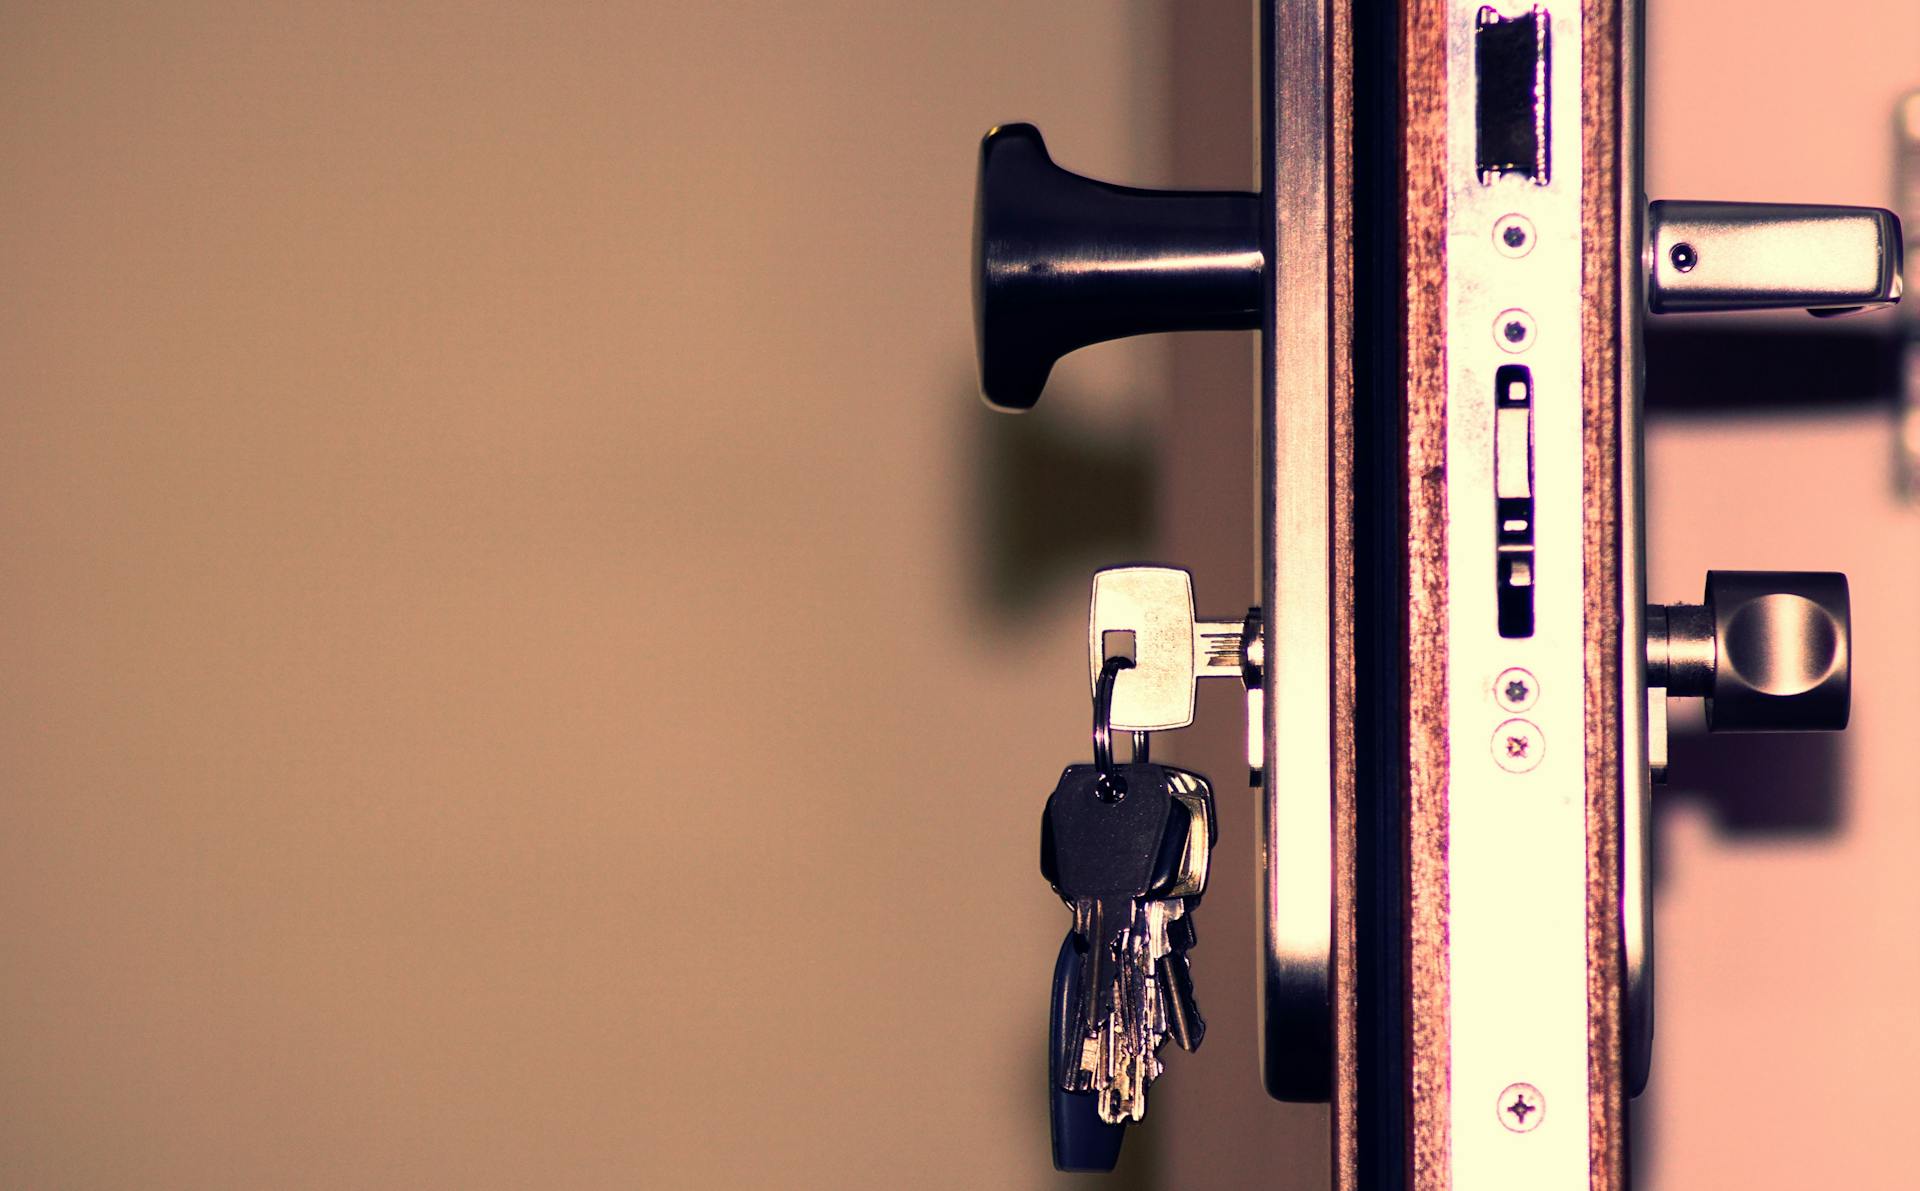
{"points": [[1146, 613]]}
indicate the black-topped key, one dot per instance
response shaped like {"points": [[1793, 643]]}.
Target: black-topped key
{"points": [[1081, 1140], [1125, 850]]}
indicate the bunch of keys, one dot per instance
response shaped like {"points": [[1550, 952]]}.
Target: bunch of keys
{"points": [[1126, 847]]}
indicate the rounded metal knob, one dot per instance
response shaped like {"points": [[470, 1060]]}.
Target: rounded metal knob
{"points": [[1770, 651], [1061, 261]]}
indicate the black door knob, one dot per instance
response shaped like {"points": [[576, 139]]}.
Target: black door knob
{"points": [[1770, 651], [1061, 261]]}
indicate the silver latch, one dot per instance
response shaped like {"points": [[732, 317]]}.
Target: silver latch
{"points": [[1770, 256]]}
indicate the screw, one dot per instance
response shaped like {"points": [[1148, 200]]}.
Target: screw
{"points": [[1513, 235], [1513, 330], [1684, 258], [1516, 689], [1521, 1107], [1518, 745]]}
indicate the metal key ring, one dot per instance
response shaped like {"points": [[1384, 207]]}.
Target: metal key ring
{"points": [[1103, 714], [1110, 787]]}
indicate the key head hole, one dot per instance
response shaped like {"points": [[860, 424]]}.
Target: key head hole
{"points": [[1118, 643]]}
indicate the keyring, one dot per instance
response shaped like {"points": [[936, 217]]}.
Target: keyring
{"points": [[1112, 789]]}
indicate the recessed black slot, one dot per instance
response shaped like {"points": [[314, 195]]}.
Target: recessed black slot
{"points": [[1513, 498], [1513, 385], [1516, 595], [1516, 524], [1512, 63]]}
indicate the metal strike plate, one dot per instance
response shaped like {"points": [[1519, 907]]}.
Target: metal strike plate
{"points": [[1518, 680], [1704, 257]]}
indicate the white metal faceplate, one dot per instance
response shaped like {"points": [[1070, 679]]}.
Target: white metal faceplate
{"points": [[1517, 830]]}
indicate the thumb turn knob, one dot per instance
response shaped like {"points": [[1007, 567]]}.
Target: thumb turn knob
{"points": [[1770, 651], [1062, 261]]}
